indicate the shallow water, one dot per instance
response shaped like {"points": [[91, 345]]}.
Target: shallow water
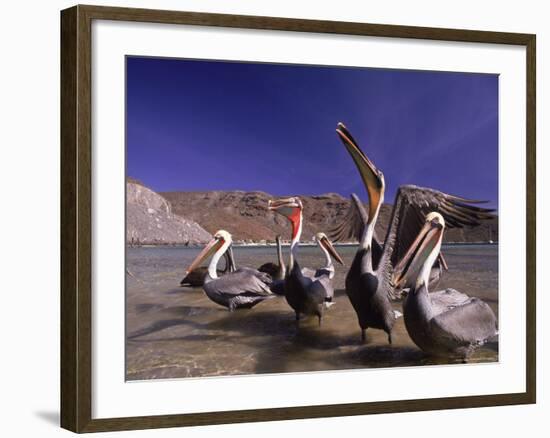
{"points": [[175, 332]]}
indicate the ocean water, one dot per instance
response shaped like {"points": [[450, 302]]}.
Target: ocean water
{"points": [[175, 332]]}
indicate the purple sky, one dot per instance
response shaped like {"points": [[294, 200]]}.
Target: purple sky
{"points": [[204, 125]]}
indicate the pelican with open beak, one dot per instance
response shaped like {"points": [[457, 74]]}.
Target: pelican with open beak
{"points": [[455, 331], [306, 294], [369, 293], [243, 288]]}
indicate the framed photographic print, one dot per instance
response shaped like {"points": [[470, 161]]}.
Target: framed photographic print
{"points": [[268, 218]]}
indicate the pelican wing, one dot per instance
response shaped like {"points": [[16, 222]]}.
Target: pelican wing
{"points": [[309, 273], [320, 290], [351, 227], [471, 323], [242, 282], [313, 274], [262, 276], [412, 204], [326, 284], [447, 299], [324, 272]]}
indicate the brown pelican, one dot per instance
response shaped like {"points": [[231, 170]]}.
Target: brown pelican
{"points": [[276, 271], [240, 289], [324, 243], [368, 282], [307, 295], [452, 331], [197, 276]]}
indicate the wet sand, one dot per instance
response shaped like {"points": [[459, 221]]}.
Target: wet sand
{"points": [[175, 331]]}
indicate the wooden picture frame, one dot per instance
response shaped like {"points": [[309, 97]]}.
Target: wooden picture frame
{"points": [[76, 217]]}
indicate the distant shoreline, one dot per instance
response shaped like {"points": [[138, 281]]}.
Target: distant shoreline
{"points": [[286, 245]]}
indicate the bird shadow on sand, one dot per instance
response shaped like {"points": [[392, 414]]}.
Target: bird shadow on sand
{"points": [[155, 327], [311, 349], [219, 319], [241, 325], [186, 338], [147, 307], [381, 356], [182, 290], [180, 315]]}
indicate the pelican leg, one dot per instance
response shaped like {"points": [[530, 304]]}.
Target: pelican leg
{"points": [[319, 316], [389, 338], [363, 335]]}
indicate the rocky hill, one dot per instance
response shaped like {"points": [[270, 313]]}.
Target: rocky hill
{"points": [[246, 217], [150, 220]]}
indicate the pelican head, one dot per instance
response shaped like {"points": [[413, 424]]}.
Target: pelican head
{"points": [[415, 266], [286, 206], [291, 208], [371, 176], [218, 245], [324, 242]]}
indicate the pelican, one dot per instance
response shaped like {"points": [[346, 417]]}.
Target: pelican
{"points": [[324, 243], [307, 295], [368, 282], [276, 271], [240, 289], [454, 331], [197, 276], [326, 273]]}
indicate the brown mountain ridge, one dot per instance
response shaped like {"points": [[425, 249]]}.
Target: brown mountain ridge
{"points": [[246, 217]]}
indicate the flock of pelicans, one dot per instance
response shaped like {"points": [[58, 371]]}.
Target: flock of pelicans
{"points": [[405, 265]]}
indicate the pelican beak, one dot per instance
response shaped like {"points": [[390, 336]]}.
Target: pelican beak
{"points": [[213, 246], [409, 266], [371, 176], [327, 244], [284, 206], [288, 207]]}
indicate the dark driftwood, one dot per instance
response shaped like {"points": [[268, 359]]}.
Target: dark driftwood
{"points": [[76, 339]]}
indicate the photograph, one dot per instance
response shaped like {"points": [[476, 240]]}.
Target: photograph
{"points": [[292, 218]]}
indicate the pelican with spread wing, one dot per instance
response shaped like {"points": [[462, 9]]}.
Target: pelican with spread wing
{"points": [[369, 283]]}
